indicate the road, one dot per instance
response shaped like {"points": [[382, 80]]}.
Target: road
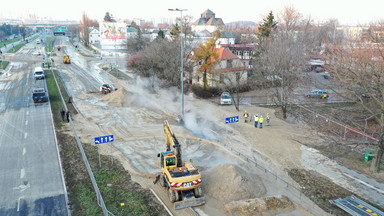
{"points": [[31, 177]]}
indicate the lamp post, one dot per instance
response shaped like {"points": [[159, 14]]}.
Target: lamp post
{"points": [[182, 60]]}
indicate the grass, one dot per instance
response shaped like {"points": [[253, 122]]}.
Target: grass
{"points": [[17, 47], [4, 64], [49, 44], [10, 41]]}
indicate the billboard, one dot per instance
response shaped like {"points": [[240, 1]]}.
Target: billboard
{"points": [[113, 33]]}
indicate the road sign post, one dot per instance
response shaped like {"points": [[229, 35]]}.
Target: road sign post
{"points": [[101, 140]]}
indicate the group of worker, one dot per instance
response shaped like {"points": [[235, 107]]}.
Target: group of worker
{"points": [[258, 120]]}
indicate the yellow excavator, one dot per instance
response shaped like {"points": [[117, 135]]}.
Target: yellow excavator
{"points": [[67, 60], [182, 180]]}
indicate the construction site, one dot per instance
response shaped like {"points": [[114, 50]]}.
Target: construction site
{"points": [[244, 170]]}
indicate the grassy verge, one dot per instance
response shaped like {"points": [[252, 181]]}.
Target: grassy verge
{"points": [[10, 41], [17, 47], [49, 44], [113, 181], [4, 64]]}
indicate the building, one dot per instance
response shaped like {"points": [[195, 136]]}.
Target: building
{"points": [[113, 35], [228, 71], [94, 35], [245, 52], [207, 21]]}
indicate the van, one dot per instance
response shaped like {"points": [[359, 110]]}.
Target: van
{"points": [[39, 95], [38, 41], [225, 99], [39, 73]]}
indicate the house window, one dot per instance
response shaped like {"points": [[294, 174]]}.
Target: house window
{"points": [[198, 78], [237, 76], [229, 63]]}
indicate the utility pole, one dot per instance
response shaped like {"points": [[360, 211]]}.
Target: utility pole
{"points": [[182, 60]]}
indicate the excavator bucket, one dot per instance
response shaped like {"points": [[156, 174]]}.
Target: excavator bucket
{"points": [[189, 202]]}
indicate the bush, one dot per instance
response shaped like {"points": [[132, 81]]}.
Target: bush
{"points": [[200, 92]]}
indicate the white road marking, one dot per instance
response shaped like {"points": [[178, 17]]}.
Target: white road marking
{"points": [[25, 135], [26, 122], [24, 151], [22, 173], [27, 112]]}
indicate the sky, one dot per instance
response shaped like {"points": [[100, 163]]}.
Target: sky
{"points": [[348, 12]]}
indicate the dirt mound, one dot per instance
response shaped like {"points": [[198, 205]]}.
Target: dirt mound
{"points": [[260, 206], [116, 98], [228, 182]]}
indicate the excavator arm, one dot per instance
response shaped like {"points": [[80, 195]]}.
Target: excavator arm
{"points": [[170, 139]]}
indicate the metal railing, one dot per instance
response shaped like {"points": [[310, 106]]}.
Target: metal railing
{"points": [[100, 200]]}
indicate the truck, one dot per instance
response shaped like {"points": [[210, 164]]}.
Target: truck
{"points": [[39, 95], [182, 180]]}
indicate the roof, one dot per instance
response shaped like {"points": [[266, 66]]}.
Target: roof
{"points": [[251, 45], [207, 13], [204, 33], [226, 34], [225, 53]]}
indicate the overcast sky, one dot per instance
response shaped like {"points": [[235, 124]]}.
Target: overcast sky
{"points": [[351, 12]]}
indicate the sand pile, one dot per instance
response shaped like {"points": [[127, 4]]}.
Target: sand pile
{"points": [[228, 182], [260, 206], [116, 98]]}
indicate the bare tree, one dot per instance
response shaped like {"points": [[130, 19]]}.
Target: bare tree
{"points": [[84, 24], [359, 68]]}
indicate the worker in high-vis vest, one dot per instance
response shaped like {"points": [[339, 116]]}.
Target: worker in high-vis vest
{"points": [[256, 117], [245, 116], [268, 119], [261, 120]]}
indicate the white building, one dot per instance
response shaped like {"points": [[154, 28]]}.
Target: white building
{"points": [[94, 35], [113, 35]]}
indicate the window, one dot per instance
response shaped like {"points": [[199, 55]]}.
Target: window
{"points": [[229, 63]]}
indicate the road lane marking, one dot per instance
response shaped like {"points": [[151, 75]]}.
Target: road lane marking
{"points": [[22, 173], [364, 183], [27, 112], [25, 135], [26, 122], [24, 151]]}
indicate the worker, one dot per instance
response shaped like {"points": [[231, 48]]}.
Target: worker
{"points": [[268, 119], [325, 96], [62, 112], [245, 116], [256, 117], [67, 114], [261, 120]]}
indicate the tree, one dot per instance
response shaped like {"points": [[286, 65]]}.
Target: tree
{"points": [[137, 43], [175, 32], [359, 68], [160, 35], [208, 57], [84, 24], [282, 57], [269, 24]]}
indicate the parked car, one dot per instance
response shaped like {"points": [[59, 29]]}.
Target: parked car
{"points": [[317, 94], [319, 69], [36, 53], [225, 99], [328, 76]]}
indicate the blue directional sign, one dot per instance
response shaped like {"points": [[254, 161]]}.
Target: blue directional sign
{"points": [[233, 119], [104, 139]]}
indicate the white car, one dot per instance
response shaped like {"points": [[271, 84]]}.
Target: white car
{"points": [[36, 53], [225, 99]]}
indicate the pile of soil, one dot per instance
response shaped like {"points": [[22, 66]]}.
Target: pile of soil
{"points": [[228, 182], [260, 206], [116, 98]]}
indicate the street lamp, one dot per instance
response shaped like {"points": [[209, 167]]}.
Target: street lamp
{"points": [[182, 60]]}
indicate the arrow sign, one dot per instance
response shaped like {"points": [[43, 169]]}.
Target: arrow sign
{"points": [[97, 140], [104, 139], [233, 119]]}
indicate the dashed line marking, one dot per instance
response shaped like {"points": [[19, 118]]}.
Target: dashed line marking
{"points": [[27, 112], [26, 122], [22, 173], [24, 151], [18, 204], [25, 135]]}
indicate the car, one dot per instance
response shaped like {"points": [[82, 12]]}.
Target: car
{"points": [[225, 98], [319, 69], [39, 73], [39, 95], [317, 94], [38, 41], [36, 53]]}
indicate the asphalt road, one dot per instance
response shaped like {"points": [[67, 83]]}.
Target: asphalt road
{"points": [[31, 177]]}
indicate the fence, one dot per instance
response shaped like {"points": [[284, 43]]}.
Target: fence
{"points": [[329, 126], [100, 200]]}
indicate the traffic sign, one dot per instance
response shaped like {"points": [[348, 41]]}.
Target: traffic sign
{"points": [[104, 139], [233, 119]]}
